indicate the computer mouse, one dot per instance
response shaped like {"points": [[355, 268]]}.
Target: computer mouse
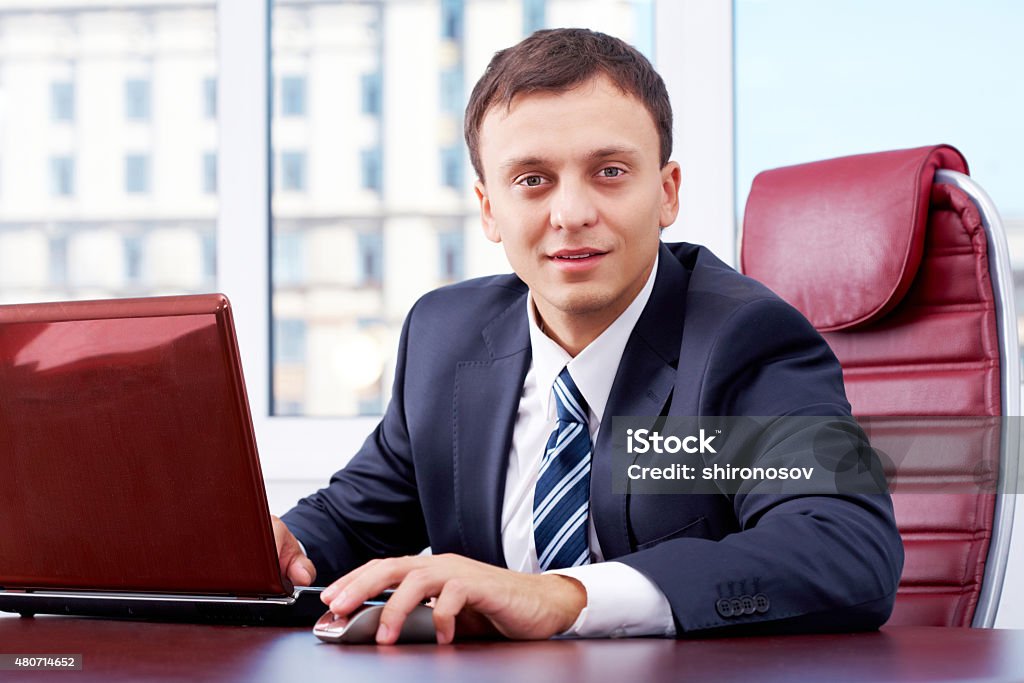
{"points": [[361, 625]]}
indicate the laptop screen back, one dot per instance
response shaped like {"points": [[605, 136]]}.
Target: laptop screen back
{"points": [[127, 456]]}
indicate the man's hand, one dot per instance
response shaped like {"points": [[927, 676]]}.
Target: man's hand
{"points": [[294, 563], [522, 606]]}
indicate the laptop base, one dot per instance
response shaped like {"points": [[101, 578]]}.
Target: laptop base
{"points": [[302, 608]]}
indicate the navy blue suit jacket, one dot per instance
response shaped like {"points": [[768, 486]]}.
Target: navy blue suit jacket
{"points": [[709, 342]]}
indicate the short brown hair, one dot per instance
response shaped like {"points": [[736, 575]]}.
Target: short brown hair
{"points": [[556, 60]]}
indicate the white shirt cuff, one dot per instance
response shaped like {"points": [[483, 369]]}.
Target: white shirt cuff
{"points": [[621, 602]]}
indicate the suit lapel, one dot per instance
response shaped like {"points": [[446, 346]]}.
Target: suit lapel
{"points": [[485, 404], [642, 386]]}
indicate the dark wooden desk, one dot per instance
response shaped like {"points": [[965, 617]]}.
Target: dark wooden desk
{"points": [[116, 651]]}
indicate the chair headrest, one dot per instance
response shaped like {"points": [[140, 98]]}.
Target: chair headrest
{"points": [[842, 239]]}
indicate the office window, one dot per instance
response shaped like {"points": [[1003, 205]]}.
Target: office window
{"points": [[62, 101], [393, 164], [452, 255], [62, 176], [293, 96], [371, 259], [78, 83], [370, 89], [534, 15], [451, 91], [451, 19], [293, 171], [210, 98], [369, 161], [136, 173], [451, 167], [136, 99], [210, 173]]}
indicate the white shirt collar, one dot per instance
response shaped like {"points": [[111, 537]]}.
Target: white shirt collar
{"points": [[594, 368]]}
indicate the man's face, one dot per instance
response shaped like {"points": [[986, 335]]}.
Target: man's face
{"points": [[576, 194]]}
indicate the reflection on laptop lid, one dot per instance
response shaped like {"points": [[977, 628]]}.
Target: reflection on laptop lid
{"points": [[130, 483]]}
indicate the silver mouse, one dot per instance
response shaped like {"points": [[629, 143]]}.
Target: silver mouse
{"points": [[361, 625]]}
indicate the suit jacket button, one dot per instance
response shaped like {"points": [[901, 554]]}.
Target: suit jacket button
{"points": [[761, 603], [724, 607], [748, 604], [737, 607]]}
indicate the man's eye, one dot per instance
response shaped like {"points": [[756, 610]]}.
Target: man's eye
{"points": [[532, 181], [611, 172]]}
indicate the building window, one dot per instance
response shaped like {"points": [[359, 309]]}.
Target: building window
{"points": [[452, 255], [62, 176], [210, 172], [133, 257], [371, 259], [288, 262], [371, 93], [534, 15], [210, 98], [293, 96], [369, 162], [209, 255], [136, 173], [451, 167], [451, 91], [290, 340], [58, 270], [451, 19], [62, 101], [136, 99], [293, 171]]}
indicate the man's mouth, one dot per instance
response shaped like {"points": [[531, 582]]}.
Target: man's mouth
{"points": [[576, 254], [577, 261]]}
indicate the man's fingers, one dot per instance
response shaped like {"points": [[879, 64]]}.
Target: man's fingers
{"points": [[301, 571], [348, 592], [292, 561], [336, 588], [417, 585], [449, 603]]}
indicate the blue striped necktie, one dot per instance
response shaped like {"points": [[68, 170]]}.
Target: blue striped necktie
{"points": [[561, 501]]}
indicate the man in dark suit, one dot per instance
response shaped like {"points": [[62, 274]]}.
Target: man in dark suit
{"points": [[495, 448]]}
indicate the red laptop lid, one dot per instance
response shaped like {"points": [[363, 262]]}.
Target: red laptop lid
{"points": [[127, 455]]}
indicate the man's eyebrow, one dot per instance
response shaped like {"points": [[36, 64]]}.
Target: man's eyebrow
{"points": [[532, 160], [518, 162], [611, 152]]}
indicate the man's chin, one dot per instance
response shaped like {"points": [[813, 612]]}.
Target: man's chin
{"points": [[584, 303]]}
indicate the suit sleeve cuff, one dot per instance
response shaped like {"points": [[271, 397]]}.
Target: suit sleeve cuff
{"points": [[621, 602]]}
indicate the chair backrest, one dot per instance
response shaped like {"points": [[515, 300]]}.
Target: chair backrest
{"points": [[899, 259]]}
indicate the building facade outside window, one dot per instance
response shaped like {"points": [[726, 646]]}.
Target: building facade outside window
{"points": [[80, 85]]}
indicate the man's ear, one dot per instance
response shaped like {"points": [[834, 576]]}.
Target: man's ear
{"points": [[671, 178], [486, 215]]}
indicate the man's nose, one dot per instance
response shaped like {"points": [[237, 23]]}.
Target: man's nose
{"points": [[572, 206]]}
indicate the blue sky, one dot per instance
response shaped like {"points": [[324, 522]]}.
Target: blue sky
{"points": [[823, 78]]}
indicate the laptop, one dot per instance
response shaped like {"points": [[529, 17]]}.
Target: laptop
{"points": [[130, 484]]}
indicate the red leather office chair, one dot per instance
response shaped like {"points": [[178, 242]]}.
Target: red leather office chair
{"points": [[900, 260]]}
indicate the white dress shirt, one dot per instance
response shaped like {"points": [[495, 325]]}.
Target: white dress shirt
{"points": [[620, 600]]}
